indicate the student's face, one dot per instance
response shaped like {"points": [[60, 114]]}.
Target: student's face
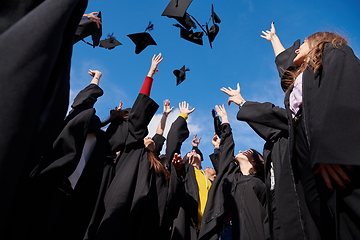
{"points": [[149, 143], [301, 52], [247, 155]]}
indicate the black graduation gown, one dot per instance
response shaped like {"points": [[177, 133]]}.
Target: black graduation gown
{"points": [[185, 223], [37, 39], [175, 220], [184, 206], [243, 196], [81, 204], [270, 123], [54, 209], [329, 123], [136, 198]]}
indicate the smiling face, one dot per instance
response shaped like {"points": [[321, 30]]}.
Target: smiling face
{"points": [[301, 53]]}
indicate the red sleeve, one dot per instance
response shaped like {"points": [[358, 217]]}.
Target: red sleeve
{"points": [[146, 87]]}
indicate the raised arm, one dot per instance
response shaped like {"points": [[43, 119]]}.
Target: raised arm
{"points": [[235, 95], [154, 64], [196, 141], [221, 111], [227, 145], [274, 39], [96, 76], [184, 109], [162, 123], [146, 87], [178, 132]]}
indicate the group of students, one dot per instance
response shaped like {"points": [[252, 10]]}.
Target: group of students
{"points": [[113, 183], [91, 183]]}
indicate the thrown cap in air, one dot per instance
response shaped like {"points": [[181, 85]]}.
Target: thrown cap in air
{"points": [[194, 37], [214, 29], [176, 8], [214, 16], [110, 42], [180, 74], [143, 39]]}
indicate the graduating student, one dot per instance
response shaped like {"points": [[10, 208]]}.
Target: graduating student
{"points": [[136, 198], [63, 188], [320, 79], [236, 207], [192, 196], [37, 40], [86, 180], [270, 123]]}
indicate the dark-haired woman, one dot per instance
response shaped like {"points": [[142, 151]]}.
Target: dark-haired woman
{"points": [[236, 206], [321, 82]]}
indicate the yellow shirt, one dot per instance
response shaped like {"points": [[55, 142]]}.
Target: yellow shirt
{"points": [[204, 185]]}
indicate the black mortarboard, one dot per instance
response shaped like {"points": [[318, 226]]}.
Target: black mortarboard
{"points": [[143, 39], [180, 74], [186, 21], [195, 37], [86, 28], [214, 29], [110, 42], [212, 32], [176, 8], [214, 16]]}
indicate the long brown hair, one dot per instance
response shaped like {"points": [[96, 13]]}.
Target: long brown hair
{"points": [[157, 165], [258, 164], [313, 59]]}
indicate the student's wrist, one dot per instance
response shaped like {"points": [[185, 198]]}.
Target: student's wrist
{"points": [[184, 115]]}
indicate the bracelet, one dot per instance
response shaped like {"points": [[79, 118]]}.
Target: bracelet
{"points": [[242, 103]]}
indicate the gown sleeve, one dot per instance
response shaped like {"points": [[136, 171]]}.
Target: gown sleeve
{"points": [[139, 117], [159, 143], [85, 99], [178, 133], [88, 96], [284, 61]]}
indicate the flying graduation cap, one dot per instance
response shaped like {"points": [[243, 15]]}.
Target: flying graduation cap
{"points": [[143, 39], [86, 28], [195, 37], [214, 29], [180, 74], [177, 9], [110, 42]]}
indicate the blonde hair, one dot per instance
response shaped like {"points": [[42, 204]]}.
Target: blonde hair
{"points": [[313, 59]]}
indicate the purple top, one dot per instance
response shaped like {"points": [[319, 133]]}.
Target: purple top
{"points": [[296, 95]]}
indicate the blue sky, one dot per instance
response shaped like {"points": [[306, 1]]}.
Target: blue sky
{"points": [[238, 55]]}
